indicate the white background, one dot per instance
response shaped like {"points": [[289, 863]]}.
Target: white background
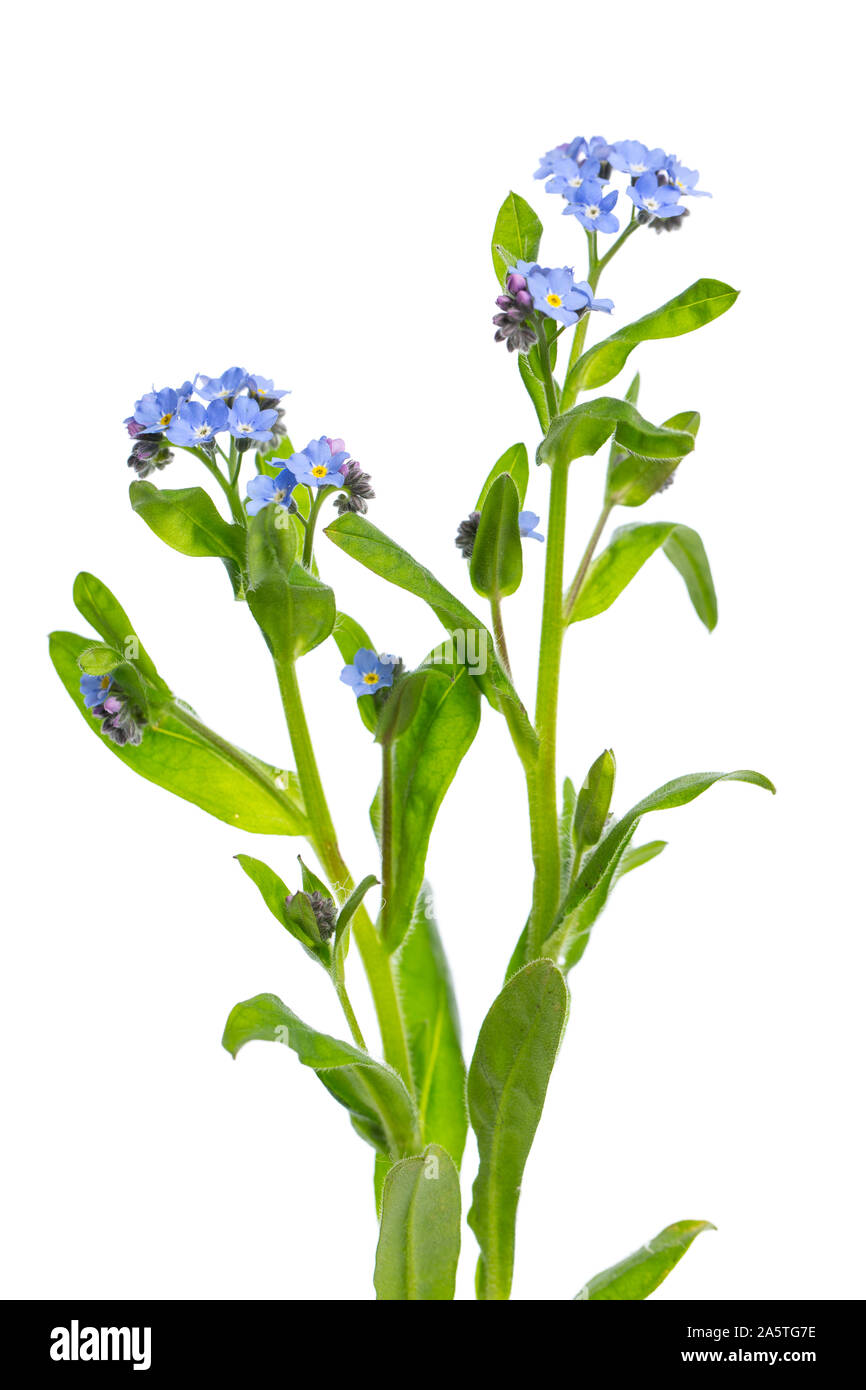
{"points": [[309, 192]]}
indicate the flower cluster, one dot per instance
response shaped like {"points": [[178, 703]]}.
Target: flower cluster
{"points": [[243, 405], [324, 463], [121, 721], [532, 289], [581, 172], [324, 911]]}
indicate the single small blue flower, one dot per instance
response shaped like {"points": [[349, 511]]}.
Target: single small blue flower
{"points": [[224, 387], [261, 388], [156, 410], [196, 424], [369, 672], [684, 179], [656, 199], [554, 294], [94, 689], [632, 158], [545, 164], [320, 464], [568, 174], [598, 148], [246, 421], [262, 490], [527, 521], [593, 207]]}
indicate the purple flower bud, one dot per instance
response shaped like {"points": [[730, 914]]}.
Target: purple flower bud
{"points": [[337, 446], [524, 299], [133, 427], [515, 282], [504, 301]]}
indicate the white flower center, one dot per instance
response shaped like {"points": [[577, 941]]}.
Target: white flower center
{"points": [[639, 168], [593, 210], [651, 204]]}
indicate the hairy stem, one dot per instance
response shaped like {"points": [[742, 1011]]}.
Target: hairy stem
{"points": [[577, 583], [499, 635]]}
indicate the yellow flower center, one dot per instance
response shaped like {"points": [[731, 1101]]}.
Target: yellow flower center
{"points": [[166, 419], [105, 682], [371, 678], [554, 300], [320, 470]]}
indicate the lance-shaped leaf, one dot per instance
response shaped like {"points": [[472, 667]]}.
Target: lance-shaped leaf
{"points": [[515, 461], [516, 235], [293, 608], [99, 660], [422, 766], [95, 602], [351, 638], [419, 1234], [274, 894], [496, 567], [585, 428], [187, 520], [195, 763], [507, 1084], [633, 478], [533, 376], [376, 1098], [593, 800], [433, 1031], [702, 302], [629, 549], [347, 912], [371, 548], [640, 1274], [600, 869]]}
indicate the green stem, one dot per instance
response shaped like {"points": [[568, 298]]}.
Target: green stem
{"points": [[322, 493], [499, 634], [323, 838], [544, 355], [541, 779], [349, 1013], [231, 493], [387, 833], [577, 583]]}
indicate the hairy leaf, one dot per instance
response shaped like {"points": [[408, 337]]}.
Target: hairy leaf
{"points": [[629, 549], [640, 1274], [419, 1234]]}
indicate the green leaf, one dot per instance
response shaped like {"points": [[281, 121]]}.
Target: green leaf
{"points": [[641, 854], [419, 1235], [98, 660], [351, 638], [97, 604], [585, 428], [433, 1031], [424, 761], [223, 780], [702, 302], [629, 549], [350, 907], [532, 372], [496, 567], [293, 608], [507, 1084], [633, 478], [401, 706], [516, 235], [187, 520], [599, 871], [593, 800], [515, 461], [377, 552], [640, 1274], [274, 893], [374, 1095]]}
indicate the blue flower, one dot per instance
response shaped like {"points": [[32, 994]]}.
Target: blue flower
{"points": [[262, 490], [246, 421], [224, 387], [632, 158], [261, 388], [527, 521], [94, 689], [368, 672], [156, 410], [656, 199], [684, 179], [592, 207], [568, 174], [545, 164], [319, 465], [196, 424], [553, 293]]}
